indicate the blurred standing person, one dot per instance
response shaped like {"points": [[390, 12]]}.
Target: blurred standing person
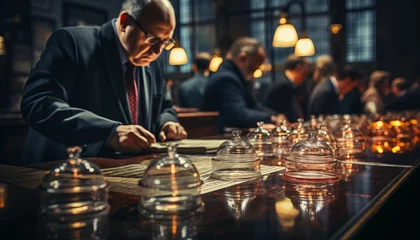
{"points": [[191, 91], [229, 90], [282, 96], [374, 98], [327, 95]]}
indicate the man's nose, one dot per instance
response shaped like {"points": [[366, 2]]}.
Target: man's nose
{"points": [[157, 48]]}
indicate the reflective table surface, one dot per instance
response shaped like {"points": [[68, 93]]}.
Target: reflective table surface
{"points": [[374, 197]]}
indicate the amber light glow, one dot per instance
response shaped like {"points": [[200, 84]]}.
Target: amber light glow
{"points": [[178, 56]]}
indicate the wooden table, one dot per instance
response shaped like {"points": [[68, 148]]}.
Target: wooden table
{"points": [[370, 201]]}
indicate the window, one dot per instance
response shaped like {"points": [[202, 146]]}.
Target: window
{"points": [[317, 25], [196, 29], [360, 24]]}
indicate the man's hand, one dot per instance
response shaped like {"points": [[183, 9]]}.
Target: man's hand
{"points": [[172, 131], [131, 138], [277, 119]]}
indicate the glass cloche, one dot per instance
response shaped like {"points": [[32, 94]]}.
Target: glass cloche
{"points": [[325, 135], [74, 190], [236, 159], [280, 134], [236, 137], [350, 141], [311, 160], [171, 184], [263, 142]]}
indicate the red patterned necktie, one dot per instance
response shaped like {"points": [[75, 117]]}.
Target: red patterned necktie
{"points": [[132, 91]]}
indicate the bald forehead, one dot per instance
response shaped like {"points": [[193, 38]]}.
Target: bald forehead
{"points": [[159, 10]]}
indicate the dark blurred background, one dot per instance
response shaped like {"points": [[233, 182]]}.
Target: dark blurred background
{"points": [[369, 34]]}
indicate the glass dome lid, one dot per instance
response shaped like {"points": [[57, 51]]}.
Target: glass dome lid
{"points": [[349, 132], [236, 159], [74, 187], [73, 175], [170, 184], [281, 131], [236, 146], [260, 134], [311, 150], [325, 135]]}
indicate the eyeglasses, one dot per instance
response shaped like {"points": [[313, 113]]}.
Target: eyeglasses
{"points": [[153, 40]]}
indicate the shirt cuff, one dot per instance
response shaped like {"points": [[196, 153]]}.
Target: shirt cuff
{"points": [[111, 133]]}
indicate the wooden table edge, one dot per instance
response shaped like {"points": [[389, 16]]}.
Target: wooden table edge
{"points": [[349, 229]]}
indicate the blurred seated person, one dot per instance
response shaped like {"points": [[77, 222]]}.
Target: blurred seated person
{"points": [[405, 98], [191, 90], [325, 98], [229, 90], [323, 68], [351, 103], [416, 84], [282, 96], [399, 87], [375, 97]]}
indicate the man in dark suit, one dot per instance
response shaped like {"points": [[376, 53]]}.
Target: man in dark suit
{"points": [[405, 99], [325, 98], [191, 90], [229, 90], [282, 96], [100, 87]]}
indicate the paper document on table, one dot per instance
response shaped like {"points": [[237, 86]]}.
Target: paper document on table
{"points": [[21, 176], [190, 146], [125, 179]]}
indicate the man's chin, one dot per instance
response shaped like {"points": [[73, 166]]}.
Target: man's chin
{"points": [[143, 61]]}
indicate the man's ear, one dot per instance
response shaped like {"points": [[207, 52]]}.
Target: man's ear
{"points": [[242, 56], [124, 20]]}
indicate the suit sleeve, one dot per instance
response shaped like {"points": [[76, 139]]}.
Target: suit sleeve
{"points": [[276, 100], [167, 112], [319, 104], [234, 107], [45, 102], [182, 96]]}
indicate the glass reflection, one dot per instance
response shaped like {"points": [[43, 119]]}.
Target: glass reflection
{"points": [[240, 196], [286, 213], [346, 170], [309, 198], [88, 227], [176, 227], [173, 226]]}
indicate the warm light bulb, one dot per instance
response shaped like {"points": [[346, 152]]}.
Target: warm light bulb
{"points": [[285, 36], [215, 63], [178, 56], [258, 73], [304, 47], [335, 28]]}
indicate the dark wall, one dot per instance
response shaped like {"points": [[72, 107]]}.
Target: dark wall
{"points": [[397, 48]]}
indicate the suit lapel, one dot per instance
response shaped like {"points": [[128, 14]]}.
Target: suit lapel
{"points": [[115, 72]]}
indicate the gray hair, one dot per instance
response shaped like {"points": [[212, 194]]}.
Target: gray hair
{"points": [[244, 44], [134, 7], [325, 64]]}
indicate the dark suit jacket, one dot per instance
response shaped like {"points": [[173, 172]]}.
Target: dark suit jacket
{"points": [[76, 95], [351, 103], [282, 98], [231, 95], [406, 102], [324, 99], [191, 91]]}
